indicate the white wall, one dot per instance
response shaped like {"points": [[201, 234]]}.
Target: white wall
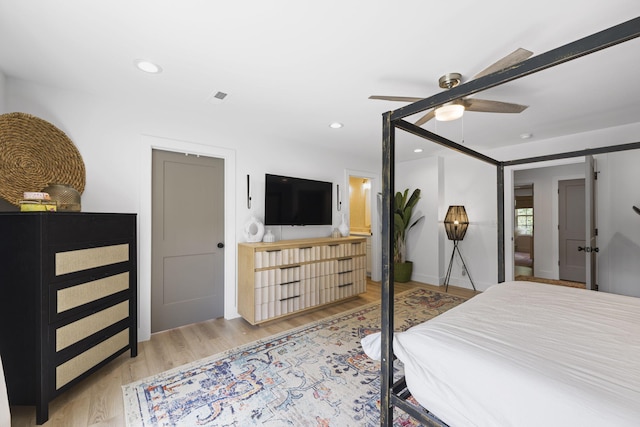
{"points": [[111, 134], [472, 183], [2, 92], [445, 181], [618, 225], [422, 243]]}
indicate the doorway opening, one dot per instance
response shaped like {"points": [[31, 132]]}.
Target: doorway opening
{"points": [[360, 212], [523, 231], [364, 215], [360, 205], [550, 219]]}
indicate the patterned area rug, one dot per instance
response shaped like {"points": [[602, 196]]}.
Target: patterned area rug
{"points": [[316, 375]]}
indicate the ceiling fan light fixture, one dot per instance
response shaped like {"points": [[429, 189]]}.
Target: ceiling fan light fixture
{"points": [[449, 112]]}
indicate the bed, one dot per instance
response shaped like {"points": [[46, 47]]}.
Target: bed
{"points": [[459, 390], [528, 354]]}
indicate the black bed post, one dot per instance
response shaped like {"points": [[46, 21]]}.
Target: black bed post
{"points": [[501, 264], [386, 365]]}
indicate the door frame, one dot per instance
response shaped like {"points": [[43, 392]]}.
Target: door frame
{"points": [[509, 203], [591, 239], [376, 249], [148, 144]]}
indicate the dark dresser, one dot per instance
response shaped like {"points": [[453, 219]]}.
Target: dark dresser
{"points": [[67, 299]]}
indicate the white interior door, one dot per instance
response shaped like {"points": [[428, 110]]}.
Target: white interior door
{"points": [[187, 273]]}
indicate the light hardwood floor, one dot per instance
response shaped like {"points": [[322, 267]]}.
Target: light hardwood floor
{"points": [[97, 400]]}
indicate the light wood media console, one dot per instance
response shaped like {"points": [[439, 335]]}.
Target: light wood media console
{"points": [[287, 277]]}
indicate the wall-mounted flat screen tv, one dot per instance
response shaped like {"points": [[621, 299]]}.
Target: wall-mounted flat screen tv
{"points": [[297, 201]]}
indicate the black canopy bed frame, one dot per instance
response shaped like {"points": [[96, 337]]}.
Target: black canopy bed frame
{"points": [[396, 394]]}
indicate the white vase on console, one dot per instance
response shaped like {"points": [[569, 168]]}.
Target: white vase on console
{"points": [[253, 230], [344, 227]]}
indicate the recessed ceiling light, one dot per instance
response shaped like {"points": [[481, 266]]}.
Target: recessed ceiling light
{"points": [[147, 66], [526, 136], [418, 150], [336, 125]]}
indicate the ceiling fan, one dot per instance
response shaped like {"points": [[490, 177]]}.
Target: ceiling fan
{"points": [[456, 108]]}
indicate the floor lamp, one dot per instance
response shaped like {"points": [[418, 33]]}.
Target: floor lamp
{"points": [[456, 223]]}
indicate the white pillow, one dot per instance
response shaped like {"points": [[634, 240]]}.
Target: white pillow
{"points": [[372, 345]]}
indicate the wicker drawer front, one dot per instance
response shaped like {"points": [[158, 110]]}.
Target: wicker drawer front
{"points": [[85, 259], [80, 364], [84, 293], [87, 326]]}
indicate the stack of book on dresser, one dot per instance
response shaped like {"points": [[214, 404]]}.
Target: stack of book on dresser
{"points": [[37, 202]]}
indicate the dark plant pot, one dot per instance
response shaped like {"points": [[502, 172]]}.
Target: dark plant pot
{"points": [[402, 271]]}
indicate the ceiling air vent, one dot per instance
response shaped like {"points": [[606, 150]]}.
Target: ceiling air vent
{"points": [[216, 97]]}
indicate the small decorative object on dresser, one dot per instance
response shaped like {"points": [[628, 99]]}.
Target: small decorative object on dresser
{"points": [[68, 301], [344, 227], [269, 237], [67, 197], [253, 230]]}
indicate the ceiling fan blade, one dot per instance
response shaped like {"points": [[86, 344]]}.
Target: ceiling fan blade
{"points": [[424, 119], [396, 98], [487, 106], [513, 58]]}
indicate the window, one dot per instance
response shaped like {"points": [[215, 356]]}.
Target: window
{"points": [[524, 220]]}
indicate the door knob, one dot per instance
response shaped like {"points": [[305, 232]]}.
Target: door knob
{"points": [[221, 245], [588, 249]]}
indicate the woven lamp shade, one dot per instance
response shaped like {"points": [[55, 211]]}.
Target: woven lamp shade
{"points": [[456, 222], [33, 154]]}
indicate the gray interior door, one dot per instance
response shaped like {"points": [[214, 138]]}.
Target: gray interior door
{"points": [[571, 228], [187, 277]]}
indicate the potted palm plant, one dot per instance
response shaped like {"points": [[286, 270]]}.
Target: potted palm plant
{"points": [[402, 223]]}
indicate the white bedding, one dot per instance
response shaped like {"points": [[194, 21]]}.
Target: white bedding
{"points": [[528, 354]]}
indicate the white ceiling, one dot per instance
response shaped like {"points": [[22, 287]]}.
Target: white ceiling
{"points": [[292, 67]]}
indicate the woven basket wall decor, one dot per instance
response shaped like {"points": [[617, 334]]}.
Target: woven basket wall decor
{"points": [[33, 154]]}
